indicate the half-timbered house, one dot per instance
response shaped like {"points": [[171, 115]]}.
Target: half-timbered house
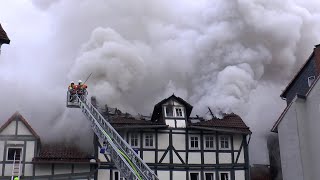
{"points": [[177, 146], [22, 154]]}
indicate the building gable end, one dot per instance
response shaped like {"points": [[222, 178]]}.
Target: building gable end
{"points": [[17, 125]]}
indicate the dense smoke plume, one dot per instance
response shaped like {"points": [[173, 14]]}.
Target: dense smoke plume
{"points": [[228, 55]]}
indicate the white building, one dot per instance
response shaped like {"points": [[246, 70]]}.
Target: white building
{"points": [[298, 125]]}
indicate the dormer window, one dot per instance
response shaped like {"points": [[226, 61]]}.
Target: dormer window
{"points": [[172, 111], [310, 80]]}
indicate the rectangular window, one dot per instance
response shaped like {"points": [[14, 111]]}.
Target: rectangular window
{"points": [[179, 111], [194, 176], [14, 152], [224, 176], [209, 176], [181, 123], [116, 176], [224, 142], [209, 142], [310, 80], [194, 142], [168, 111], [170, 122], [134, 140], [148, 140]]}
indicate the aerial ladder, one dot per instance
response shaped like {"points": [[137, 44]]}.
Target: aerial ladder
{"points": [[16, 166], [127, 161]]}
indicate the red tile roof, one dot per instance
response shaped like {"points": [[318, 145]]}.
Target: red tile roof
{"points": [[3, 36], [61, 153], [18, 116], [229, 121]]}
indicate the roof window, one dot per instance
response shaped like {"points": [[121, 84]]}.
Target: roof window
{"points": [[311, 80]]}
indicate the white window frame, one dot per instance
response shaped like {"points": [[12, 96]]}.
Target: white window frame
{"points": [[190, 139], [205, 141], [175, 111], [229, 143], [227, 172], [311, 81], [212, 172], [14, 147], [138, 139], [145, 140], [195, 172]]}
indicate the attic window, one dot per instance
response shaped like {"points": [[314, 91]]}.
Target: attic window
{"points": [[311, 80], [168, 111], [179, 112]]}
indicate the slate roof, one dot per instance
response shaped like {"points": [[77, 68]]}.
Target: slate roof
{"points": [[18, 116], [298, 73], [3, 36], [61, 153]]}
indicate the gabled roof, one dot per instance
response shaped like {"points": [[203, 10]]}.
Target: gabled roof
{"points": [[18, 116], [158, 107], [297, 74], [3, 36], [230, 122], [61, 153]]}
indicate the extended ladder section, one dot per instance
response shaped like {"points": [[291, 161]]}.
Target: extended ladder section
{"points": [[130, 165], [16, 166]]}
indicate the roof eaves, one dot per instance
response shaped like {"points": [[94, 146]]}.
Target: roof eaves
{"points": [[62, 162], [140, 126], [275, 126]]}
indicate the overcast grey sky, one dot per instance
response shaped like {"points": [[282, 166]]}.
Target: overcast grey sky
{"points": [[229, 55]]}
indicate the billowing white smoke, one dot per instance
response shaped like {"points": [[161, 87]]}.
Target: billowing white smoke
{"points": [[215, 52], [228, 55]]}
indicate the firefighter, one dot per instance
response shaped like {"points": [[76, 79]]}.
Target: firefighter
{"points": [[72, 90], [81, 88]]}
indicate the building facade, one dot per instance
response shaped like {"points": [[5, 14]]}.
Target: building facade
{"points": [[173, 144], [177, 146], [19, 142], [297, 126]]}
